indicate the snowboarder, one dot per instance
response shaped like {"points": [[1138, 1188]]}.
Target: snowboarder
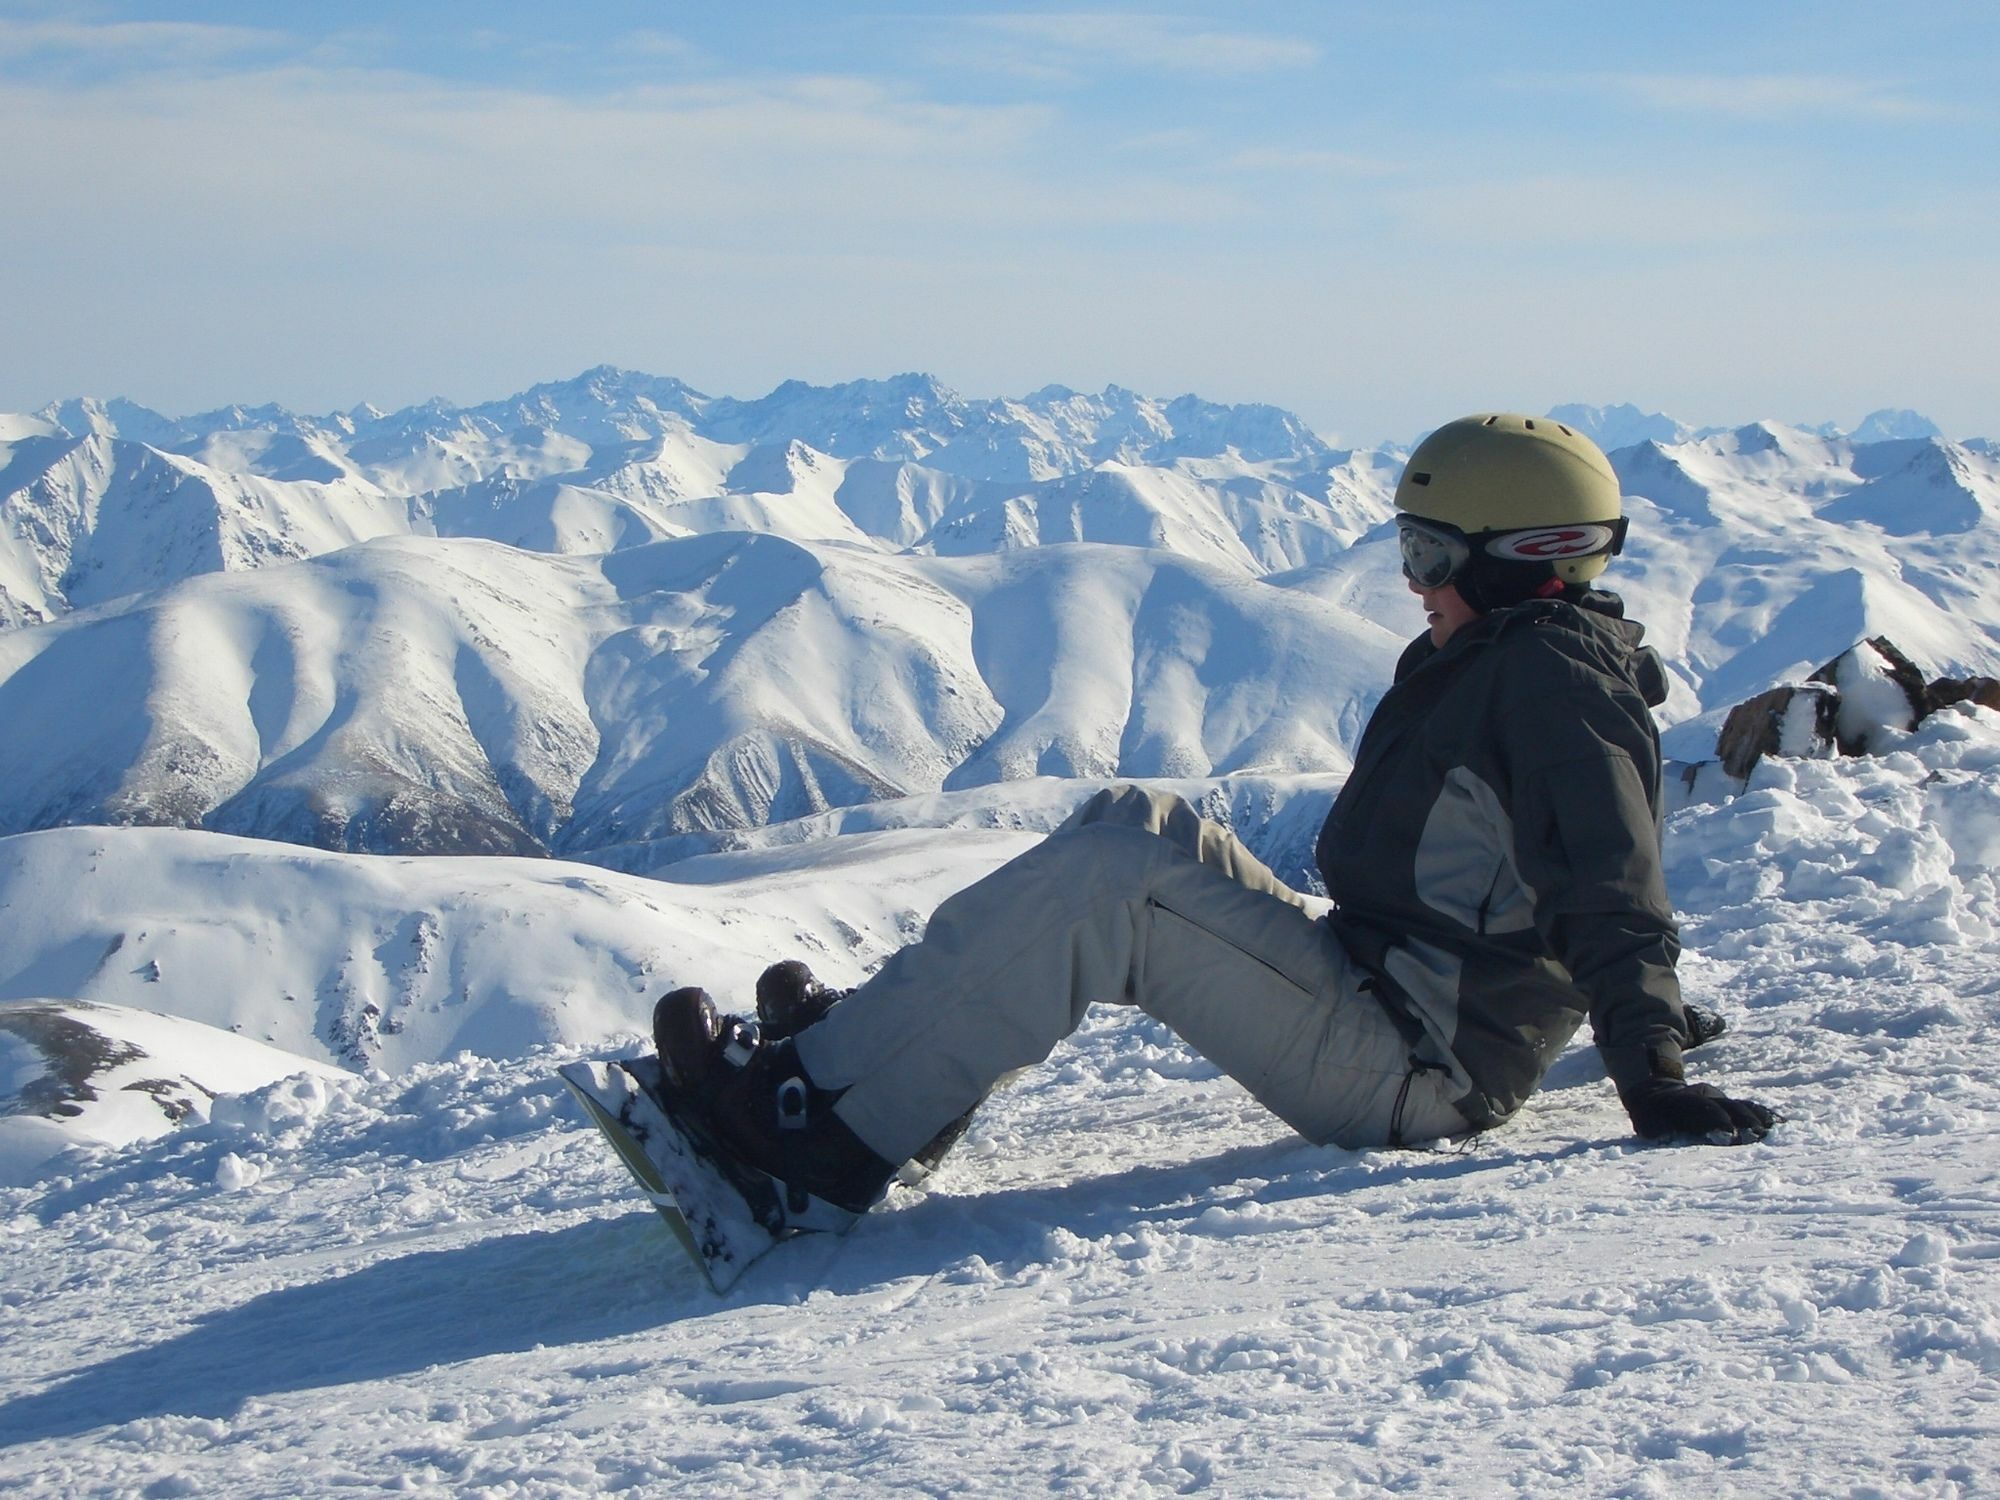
{"points": [[1494, 860]]}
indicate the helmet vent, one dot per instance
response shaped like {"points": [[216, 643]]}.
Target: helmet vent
{"points": [[1529, 423], [1420, 479], [1564, 430], [1489, 421]]}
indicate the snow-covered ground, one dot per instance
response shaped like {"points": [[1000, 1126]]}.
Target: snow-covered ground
{"points": [[1127, 1280]]}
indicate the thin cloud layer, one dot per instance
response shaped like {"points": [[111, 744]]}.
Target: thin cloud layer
{"points": [[1085, 43], [1773, 96], [152, 44]]}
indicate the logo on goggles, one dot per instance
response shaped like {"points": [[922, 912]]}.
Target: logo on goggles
{"points": [[1551, 545]]}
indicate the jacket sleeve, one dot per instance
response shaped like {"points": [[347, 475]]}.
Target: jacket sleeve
{"points": [[1588, 844]]}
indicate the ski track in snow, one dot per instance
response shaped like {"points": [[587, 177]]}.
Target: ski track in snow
{"points": [[1127, 1280]]}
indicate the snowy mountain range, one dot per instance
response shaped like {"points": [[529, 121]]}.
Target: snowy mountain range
{"points": [[1622, 425], [614, 611]]}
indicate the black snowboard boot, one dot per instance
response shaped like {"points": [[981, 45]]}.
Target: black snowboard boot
{"points": [[789, 1000], [756, 1102]]}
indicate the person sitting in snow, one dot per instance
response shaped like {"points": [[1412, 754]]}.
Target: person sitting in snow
{"points": [[1493, 859]]}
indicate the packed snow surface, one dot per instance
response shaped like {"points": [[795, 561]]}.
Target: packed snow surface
{"points": [[1127, 1280]]}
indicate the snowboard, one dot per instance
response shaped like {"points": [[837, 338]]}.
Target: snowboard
{"points": [[724, 1214]]}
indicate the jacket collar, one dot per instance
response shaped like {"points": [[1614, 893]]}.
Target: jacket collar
{"points": [[1595, 615]]}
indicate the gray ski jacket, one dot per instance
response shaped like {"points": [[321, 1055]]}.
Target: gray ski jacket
{"points": [[1495, 855]]}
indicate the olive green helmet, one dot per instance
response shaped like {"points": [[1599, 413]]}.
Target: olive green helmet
{"points": [[1525, 490]]}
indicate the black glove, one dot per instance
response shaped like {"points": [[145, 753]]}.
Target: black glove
{"points": [[1667, 1107]]}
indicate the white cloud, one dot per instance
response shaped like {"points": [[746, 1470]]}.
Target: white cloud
{"points": [[1772, 96], [1076, 43], [1588, 215], [283, 166], [146, 41], [1181, 138], [651, 43], [1303, 159]]}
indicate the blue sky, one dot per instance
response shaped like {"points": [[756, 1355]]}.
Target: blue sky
{"points": [[1375, 215]]}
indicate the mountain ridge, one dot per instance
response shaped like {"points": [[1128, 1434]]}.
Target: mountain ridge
{"points": [[613, 611]]}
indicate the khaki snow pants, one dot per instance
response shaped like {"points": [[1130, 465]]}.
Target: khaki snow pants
{"points": [[1136, 900]]}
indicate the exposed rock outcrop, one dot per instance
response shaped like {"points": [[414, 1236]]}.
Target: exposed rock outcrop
{"points": [[1845, 707]]}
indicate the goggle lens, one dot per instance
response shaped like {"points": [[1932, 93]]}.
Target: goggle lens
{"points": [[1431, 558]]}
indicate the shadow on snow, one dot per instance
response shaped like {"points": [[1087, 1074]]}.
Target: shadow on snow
{"points": [[609, 1278], [395, 1317]]}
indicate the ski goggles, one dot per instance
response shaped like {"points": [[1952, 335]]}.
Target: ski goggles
{"points": [[1434, 553]]}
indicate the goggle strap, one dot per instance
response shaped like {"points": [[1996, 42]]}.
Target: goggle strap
{"points": [[1481, 541]]}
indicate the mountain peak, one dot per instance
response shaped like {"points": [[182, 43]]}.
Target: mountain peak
{"points": [[1621, 425], [1891, 423], [236, 418], [87, 416]]}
